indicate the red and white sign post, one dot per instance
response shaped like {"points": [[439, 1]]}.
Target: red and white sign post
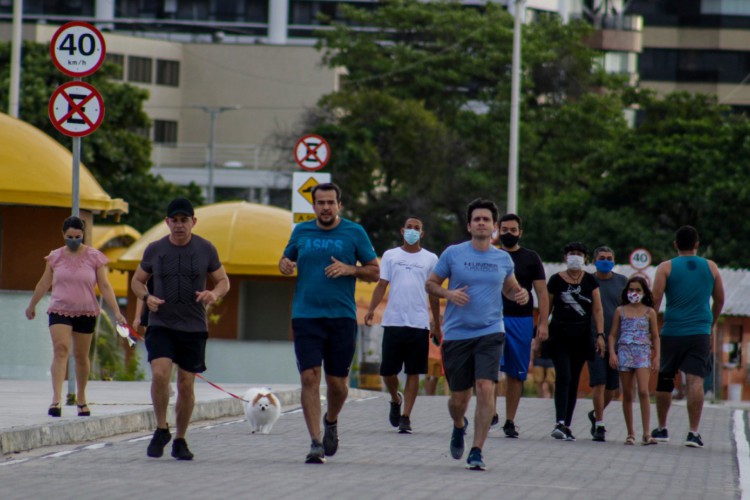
{"points": [[311, 153], [76, 108]]}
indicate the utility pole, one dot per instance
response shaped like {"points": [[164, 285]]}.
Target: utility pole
{"points": [[519, 13], [214, 112]]}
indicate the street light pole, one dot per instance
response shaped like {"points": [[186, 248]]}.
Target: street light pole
{"points": [[512, 205], [214, 112]]}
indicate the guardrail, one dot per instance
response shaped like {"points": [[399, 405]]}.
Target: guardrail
{"points": [[241, 156]]}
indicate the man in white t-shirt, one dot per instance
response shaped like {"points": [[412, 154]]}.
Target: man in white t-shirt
{"points": [[406, 321]]}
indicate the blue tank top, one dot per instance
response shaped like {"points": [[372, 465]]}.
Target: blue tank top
{"points": [[688, 293]]}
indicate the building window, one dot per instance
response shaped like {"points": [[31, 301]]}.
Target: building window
{"points": [[165, 132], [140, 69], [119, 61], [168, 73]]}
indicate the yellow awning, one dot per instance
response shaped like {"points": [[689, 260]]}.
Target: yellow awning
{"points": [[103, 234], [36, 170], [249, 237]]}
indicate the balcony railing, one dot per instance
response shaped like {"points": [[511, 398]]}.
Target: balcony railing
{"points": [[245, 156]]}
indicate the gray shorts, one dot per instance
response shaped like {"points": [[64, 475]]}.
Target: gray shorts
{"points": [[466, 361]]}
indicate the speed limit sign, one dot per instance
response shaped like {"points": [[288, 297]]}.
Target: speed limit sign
{"points": [[77, 49], [640, 259]]}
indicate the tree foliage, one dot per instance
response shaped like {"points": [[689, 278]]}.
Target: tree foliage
{"points": [[421, 126], [118, 153]]}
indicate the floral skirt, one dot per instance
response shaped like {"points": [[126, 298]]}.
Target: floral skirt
{"points": [[631, 356]]}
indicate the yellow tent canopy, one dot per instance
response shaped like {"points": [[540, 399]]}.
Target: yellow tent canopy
{"points": [[114, 241], [37, 171], [249, 237]]}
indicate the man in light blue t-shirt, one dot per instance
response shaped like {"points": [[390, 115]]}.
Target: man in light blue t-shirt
{"points": [[479, 275], [325, 252]]}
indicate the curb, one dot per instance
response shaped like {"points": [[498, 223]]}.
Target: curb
{"points": [[25, 438]]}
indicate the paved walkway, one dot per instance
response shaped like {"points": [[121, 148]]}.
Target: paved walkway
{"points": [[373, 461]]}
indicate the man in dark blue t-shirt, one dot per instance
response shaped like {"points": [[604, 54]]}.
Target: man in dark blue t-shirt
{"points": [[325, 252]]}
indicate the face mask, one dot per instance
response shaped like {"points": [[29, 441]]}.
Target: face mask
{"points": [[509, 240], [635, 297], [73, 243], [604, 266], [575, 262], [411, 236]]}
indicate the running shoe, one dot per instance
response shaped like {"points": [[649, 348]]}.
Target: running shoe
{"points": [[558, 432], [474, 462], [660, 434], [180, 449], [599, 433], [495, 421], [317, 454], [693, 440], [330, 437], [510, 429], [158, 442], [404, 425], [592, 419], [569, 434], [457, 440], [395, 415]]}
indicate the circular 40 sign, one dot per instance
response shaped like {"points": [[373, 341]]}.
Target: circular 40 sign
{"points": [[77, 49], [640, 259]]}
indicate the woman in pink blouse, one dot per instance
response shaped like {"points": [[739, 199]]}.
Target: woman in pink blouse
{"points": [[72, 271]]}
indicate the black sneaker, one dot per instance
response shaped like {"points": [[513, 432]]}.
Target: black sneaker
{"points": [[693, 440], [592, 419], [510, 429], [661, 435], [475, 462], [457, 440], [158, 442], [599, 433], [180, 449], [569, 434], [317, 454], [495, 421], [404, 425], [395, 414], [330, 437], [558, 432]]}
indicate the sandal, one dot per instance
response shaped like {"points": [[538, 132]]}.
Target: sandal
{"points": [[630, 440], [54, 410], [648, 439], [82, 412]]}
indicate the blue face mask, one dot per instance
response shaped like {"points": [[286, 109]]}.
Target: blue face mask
{"points": [[604, 266], [411, 236]]}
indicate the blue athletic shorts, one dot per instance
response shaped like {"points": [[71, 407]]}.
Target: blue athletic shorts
{"points": [[517, 350], [327, 342]]}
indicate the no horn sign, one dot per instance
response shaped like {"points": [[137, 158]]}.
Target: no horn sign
{"points": [[312, 152]]}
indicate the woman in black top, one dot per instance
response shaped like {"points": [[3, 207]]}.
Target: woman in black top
{"points": [[574, 299]]}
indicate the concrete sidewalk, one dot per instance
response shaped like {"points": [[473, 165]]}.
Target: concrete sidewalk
{"points": [[116, 408]]}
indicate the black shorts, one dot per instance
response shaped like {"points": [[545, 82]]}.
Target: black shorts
{"points": [[405, 346], [600, 373], [466, 361], [688, 353], [80, 324], [187, 349], [327, 342]]}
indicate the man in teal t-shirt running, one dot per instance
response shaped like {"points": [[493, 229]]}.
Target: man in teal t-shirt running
{"points": [[325, 252], [689, 283]]}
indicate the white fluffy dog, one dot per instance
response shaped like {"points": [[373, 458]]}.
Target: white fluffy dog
{"points": [[262, 409]]}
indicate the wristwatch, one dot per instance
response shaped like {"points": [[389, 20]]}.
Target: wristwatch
{"points": [[600, 335]]}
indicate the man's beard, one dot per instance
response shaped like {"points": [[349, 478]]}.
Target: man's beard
{"points": [[327, 223]]}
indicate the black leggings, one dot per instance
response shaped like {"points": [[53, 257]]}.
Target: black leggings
{"points": [[568, 353]]}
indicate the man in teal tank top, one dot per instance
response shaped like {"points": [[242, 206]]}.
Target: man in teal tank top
{"points": [[688, 283]]}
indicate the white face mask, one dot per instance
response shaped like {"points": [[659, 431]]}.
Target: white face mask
{"points": [[575, 262], [635, 297]]}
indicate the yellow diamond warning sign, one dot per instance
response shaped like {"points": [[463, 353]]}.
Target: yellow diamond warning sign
{"points": [[306, 189], [302, 217]]}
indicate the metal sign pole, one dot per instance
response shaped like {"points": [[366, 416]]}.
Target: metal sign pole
{"points": [[76, 176]]}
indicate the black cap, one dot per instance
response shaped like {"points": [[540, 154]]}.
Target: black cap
{"points": [[180, 206]]}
